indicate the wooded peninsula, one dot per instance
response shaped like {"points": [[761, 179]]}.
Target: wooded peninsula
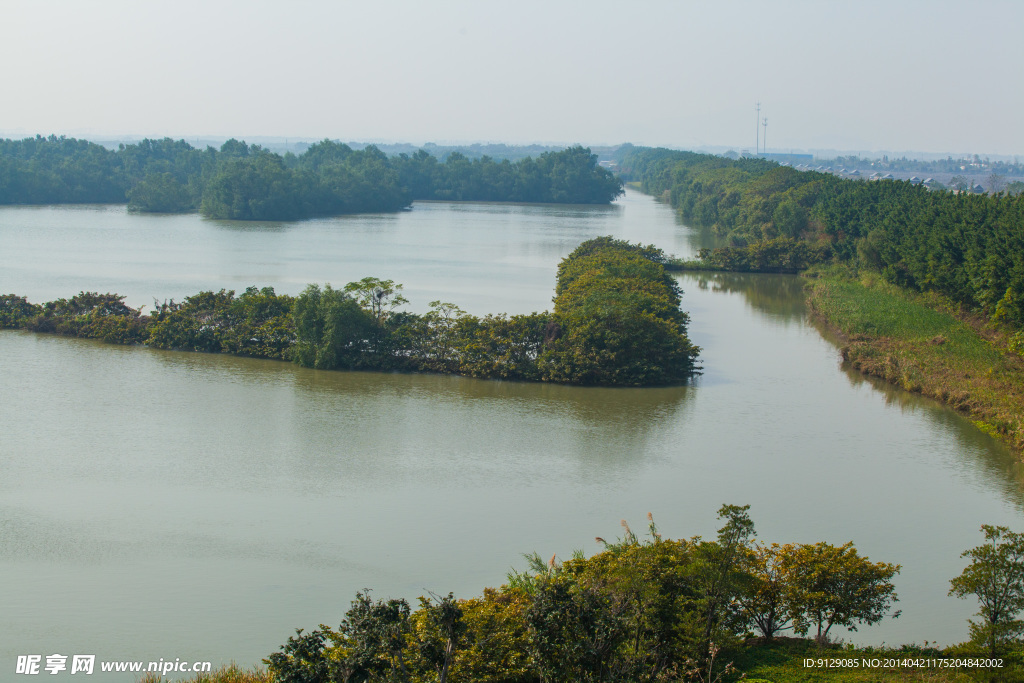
{"points": [[616, 322]]}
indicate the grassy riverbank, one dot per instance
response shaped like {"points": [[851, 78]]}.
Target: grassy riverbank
{"points": [[225, 674], [793, 660], [925, 345]]}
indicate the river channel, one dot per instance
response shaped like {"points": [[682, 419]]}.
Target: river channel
{"points": [[177, 505]]}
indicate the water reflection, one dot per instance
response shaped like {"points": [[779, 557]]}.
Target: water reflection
{"points": [[980, 453], [250, 226], [545, 210], [780, 296], [348, 412]]}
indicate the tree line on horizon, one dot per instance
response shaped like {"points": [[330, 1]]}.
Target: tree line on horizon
{"points": [[969, 248], [246, 182]]}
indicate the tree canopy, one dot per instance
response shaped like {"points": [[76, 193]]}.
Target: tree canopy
{"points": [[616, 322], [637, 610], [967, 247], [246, 182]]}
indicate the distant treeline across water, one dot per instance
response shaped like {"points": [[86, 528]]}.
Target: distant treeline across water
{"points": [[246, 182]]}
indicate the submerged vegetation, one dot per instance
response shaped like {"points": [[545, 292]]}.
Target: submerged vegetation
{"points": [[245, 182], [616, 322]]}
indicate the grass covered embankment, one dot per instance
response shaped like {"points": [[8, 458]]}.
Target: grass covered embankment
{"points": [[797, 660], [925, 345], [225, 674]]}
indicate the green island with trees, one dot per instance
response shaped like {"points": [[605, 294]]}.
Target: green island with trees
{"points": [[924, 288], [661, 610], [246, 182], [616, 322]]}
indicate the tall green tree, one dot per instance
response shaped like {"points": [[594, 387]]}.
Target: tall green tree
{"points": [[995, 577], [332, 330], [834, 586]]}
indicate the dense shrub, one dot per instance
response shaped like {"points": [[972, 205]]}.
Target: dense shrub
{"points": [[618, 319]]}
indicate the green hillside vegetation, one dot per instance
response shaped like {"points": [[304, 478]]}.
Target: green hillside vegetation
{"points": [[616, 322], [247, 182], [969, 248]]}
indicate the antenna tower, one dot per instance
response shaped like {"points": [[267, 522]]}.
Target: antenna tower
{"points": [[757, 131], [764, 140]]}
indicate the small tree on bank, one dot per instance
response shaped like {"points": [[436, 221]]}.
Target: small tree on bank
{"points": [[996, 577], [834, 586]]}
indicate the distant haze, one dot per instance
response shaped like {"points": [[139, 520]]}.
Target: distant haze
{"points": [[936, 75]]}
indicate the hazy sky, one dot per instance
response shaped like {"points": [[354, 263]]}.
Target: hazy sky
{"points": [[935, 75]]}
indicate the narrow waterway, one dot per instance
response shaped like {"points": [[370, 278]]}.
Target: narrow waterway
{"points": [[162, 504]]}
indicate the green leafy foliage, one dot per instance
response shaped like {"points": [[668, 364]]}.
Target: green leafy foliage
{"points": [[200, 323], [574, 630], [92, 315], [440, 629], [617, 319], [332, 330], [967, 247], [832, 586], [57, 170], [617, 322], [258, 323], [996, 578], [641, 610], [257, 187], [15, 310], [160, 193], [246, 182]]}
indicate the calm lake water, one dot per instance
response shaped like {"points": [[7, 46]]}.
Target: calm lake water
{"points": [[177, 505]]}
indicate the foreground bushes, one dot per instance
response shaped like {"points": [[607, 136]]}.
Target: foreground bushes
{"points": [[616, 322], [637, 611]]}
